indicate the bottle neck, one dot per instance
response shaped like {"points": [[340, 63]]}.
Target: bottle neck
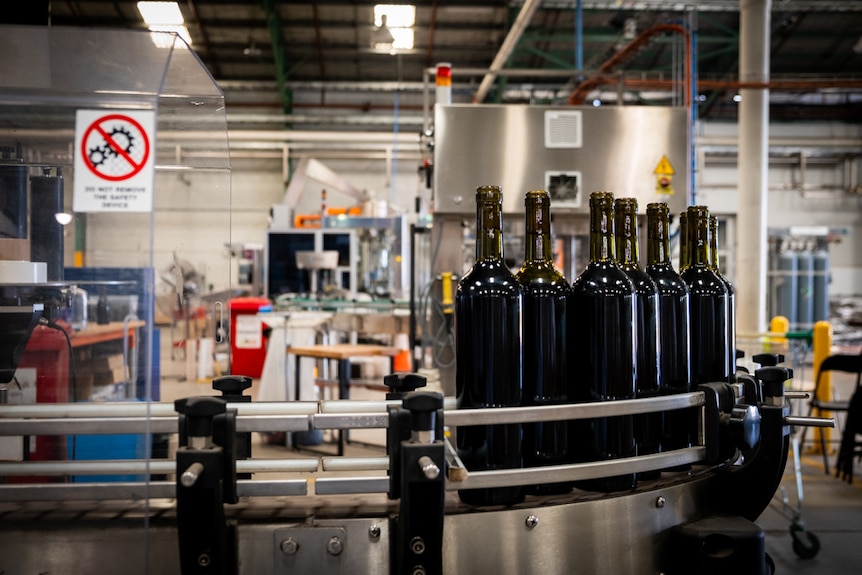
{"points": [[698, 240], [538, 229], [489, 233], [602, 232], [658, 243], [713, 244], [684, 258], [625, 228]]}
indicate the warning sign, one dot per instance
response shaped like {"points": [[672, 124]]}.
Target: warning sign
{"points": [[114, 161], [664, 168], [664, 176]]}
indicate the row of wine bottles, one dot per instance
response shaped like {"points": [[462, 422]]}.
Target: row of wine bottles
{"points": [[618, 332]]}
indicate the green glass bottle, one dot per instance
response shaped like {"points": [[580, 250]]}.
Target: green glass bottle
{"points": [[488, 353], [673, 325], [602, 348], [707, 305], [544, 336], [731, 295], [648, 427]]}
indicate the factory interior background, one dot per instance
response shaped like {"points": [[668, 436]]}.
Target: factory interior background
{"points": [[285, 130]]}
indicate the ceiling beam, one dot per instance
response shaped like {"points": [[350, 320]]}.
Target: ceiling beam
{"points": [[521, 22], [273, 21]]}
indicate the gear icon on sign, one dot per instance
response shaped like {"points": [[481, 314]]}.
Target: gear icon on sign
{"points": [[98, 155], [119, 138]]}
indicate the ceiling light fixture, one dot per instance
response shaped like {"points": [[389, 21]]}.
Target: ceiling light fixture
{"points": [[164, 17], [393, 27]]}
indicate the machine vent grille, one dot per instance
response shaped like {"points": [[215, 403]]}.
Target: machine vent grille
{"points": [[563, 129]]}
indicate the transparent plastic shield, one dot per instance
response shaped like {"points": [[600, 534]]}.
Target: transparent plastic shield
{"points": [[115, 187]]}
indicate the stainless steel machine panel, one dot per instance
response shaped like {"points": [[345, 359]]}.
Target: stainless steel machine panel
{"points": [[571, 151]]}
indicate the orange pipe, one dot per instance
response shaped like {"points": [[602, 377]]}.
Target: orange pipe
{"points": [[580, 93]]}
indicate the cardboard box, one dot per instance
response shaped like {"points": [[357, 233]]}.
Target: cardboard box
{"points": [[15, 249]]}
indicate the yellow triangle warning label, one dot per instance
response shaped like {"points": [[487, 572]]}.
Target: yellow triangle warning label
{"points": [[664, 168]]}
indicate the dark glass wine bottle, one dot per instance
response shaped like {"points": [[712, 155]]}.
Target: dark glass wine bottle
{"points": [[707, 305], [544, 317], [488, 353], [648, 426], [602, 344], [674, 335], [731, 295]]}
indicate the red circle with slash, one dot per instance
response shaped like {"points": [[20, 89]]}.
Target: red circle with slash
{"points": [[127, 161]]}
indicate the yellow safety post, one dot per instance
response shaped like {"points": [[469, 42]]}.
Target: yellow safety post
{"points": [[822, 347], [778, 325]]}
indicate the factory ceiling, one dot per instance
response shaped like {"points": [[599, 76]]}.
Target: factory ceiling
{"points": [[299, 61]]}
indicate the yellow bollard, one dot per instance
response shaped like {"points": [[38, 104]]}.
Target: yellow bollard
{"points": [[822, 347], [779, 324]]}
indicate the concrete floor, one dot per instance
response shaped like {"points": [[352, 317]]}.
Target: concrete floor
{"points": [[831, 510]]}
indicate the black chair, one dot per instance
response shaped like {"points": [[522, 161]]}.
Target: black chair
{"points": [[851, 445], [839, 362]]}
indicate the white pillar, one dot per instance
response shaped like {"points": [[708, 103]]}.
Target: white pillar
{"points": [[753, 164]]}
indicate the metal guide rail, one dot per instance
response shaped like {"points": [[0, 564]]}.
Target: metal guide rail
{"points": [[136, 418], [733, 468]]}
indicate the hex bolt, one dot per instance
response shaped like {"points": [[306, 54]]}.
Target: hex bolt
{"points": [[334, 546], [532, 521], [289, 546], [660, 502], [428, 467], [374, 531], [418, 570], [417, 545], [203, 560]]}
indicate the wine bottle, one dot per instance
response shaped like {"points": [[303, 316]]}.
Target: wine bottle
{"points": [[731, 295], [707, 305], [488, 353], [648, 426], [602, 344], [674, 335], [543, 321]]}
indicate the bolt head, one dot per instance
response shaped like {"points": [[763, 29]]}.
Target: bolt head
{"points": [[531, 522], [417, 545], [660, 502], [289, 546], [374, 531], [334, 546]]}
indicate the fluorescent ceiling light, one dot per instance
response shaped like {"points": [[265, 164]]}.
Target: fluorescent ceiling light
{"points": [[397, 15], [403, 38], [166, 13], [394, 27]]}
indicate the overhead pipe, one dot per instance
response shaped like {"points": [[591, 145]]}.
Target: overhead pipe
{"points": [[515, 32], [584, 88]]}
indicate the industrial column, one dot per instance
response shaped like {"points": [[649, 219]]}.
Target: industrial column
{"points": [[753, 163]]}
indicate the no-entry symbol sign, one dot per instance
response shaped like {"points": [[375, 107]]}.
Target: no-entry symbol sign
{"points": [[114, 161]]}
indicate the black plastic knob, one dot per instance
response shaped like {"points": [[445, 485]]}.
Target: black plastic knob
{"points": [[768, 359], [773, 379], [199, 412], [231, 385], [402, 383], [423, 407], [744, 425]]}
